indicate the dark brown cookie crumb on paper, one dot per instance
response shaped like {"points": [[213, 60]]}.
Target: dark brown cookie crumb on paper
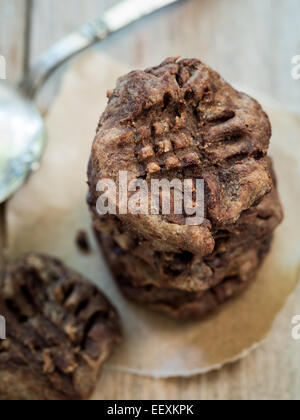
{"points": [[83, 242]]}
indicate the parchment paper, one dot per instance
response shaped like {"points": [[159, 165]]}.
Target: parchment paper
{"points": [[47, 213]]}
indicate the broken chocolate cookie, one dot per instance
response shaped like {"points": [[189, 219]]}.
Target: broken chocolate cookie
{"points": [[60, 331]]}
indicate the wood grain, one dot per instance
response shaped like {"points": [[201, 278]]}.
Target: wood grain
{"points": [[250, 42], [48, 27]]}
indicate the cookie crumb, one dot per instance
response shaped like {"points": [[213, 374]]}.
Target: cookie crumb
{"points": [[82, 241]]}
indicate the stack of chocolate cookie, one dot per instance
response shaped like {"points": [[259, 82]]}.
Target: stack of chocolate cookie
{"points": [[181, 120]]}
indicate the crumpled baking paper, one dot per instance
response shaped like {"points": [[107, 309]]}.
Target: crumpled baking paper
{"points": [[48, 212]]}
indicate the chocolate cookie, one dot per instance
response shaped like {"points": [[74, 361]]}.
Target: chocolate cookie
{"points": [[191, 305], [60, 331], [146, 265], [182, 120]]}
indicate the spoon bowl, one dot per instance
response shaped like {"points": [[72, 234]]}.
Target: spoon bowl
{"points": [[22, 139]]}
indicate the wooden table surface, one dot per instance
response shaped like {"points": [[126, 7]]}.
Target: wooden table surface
{"points": [[251, 42]]}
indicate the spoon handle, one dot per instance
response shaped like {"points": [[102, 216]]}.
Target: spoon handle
{"points": [[116, 18]]}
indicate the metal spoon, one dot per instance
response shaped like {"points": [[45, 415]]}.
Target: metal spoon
{"points": [[22, 139], [22, 131]]}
